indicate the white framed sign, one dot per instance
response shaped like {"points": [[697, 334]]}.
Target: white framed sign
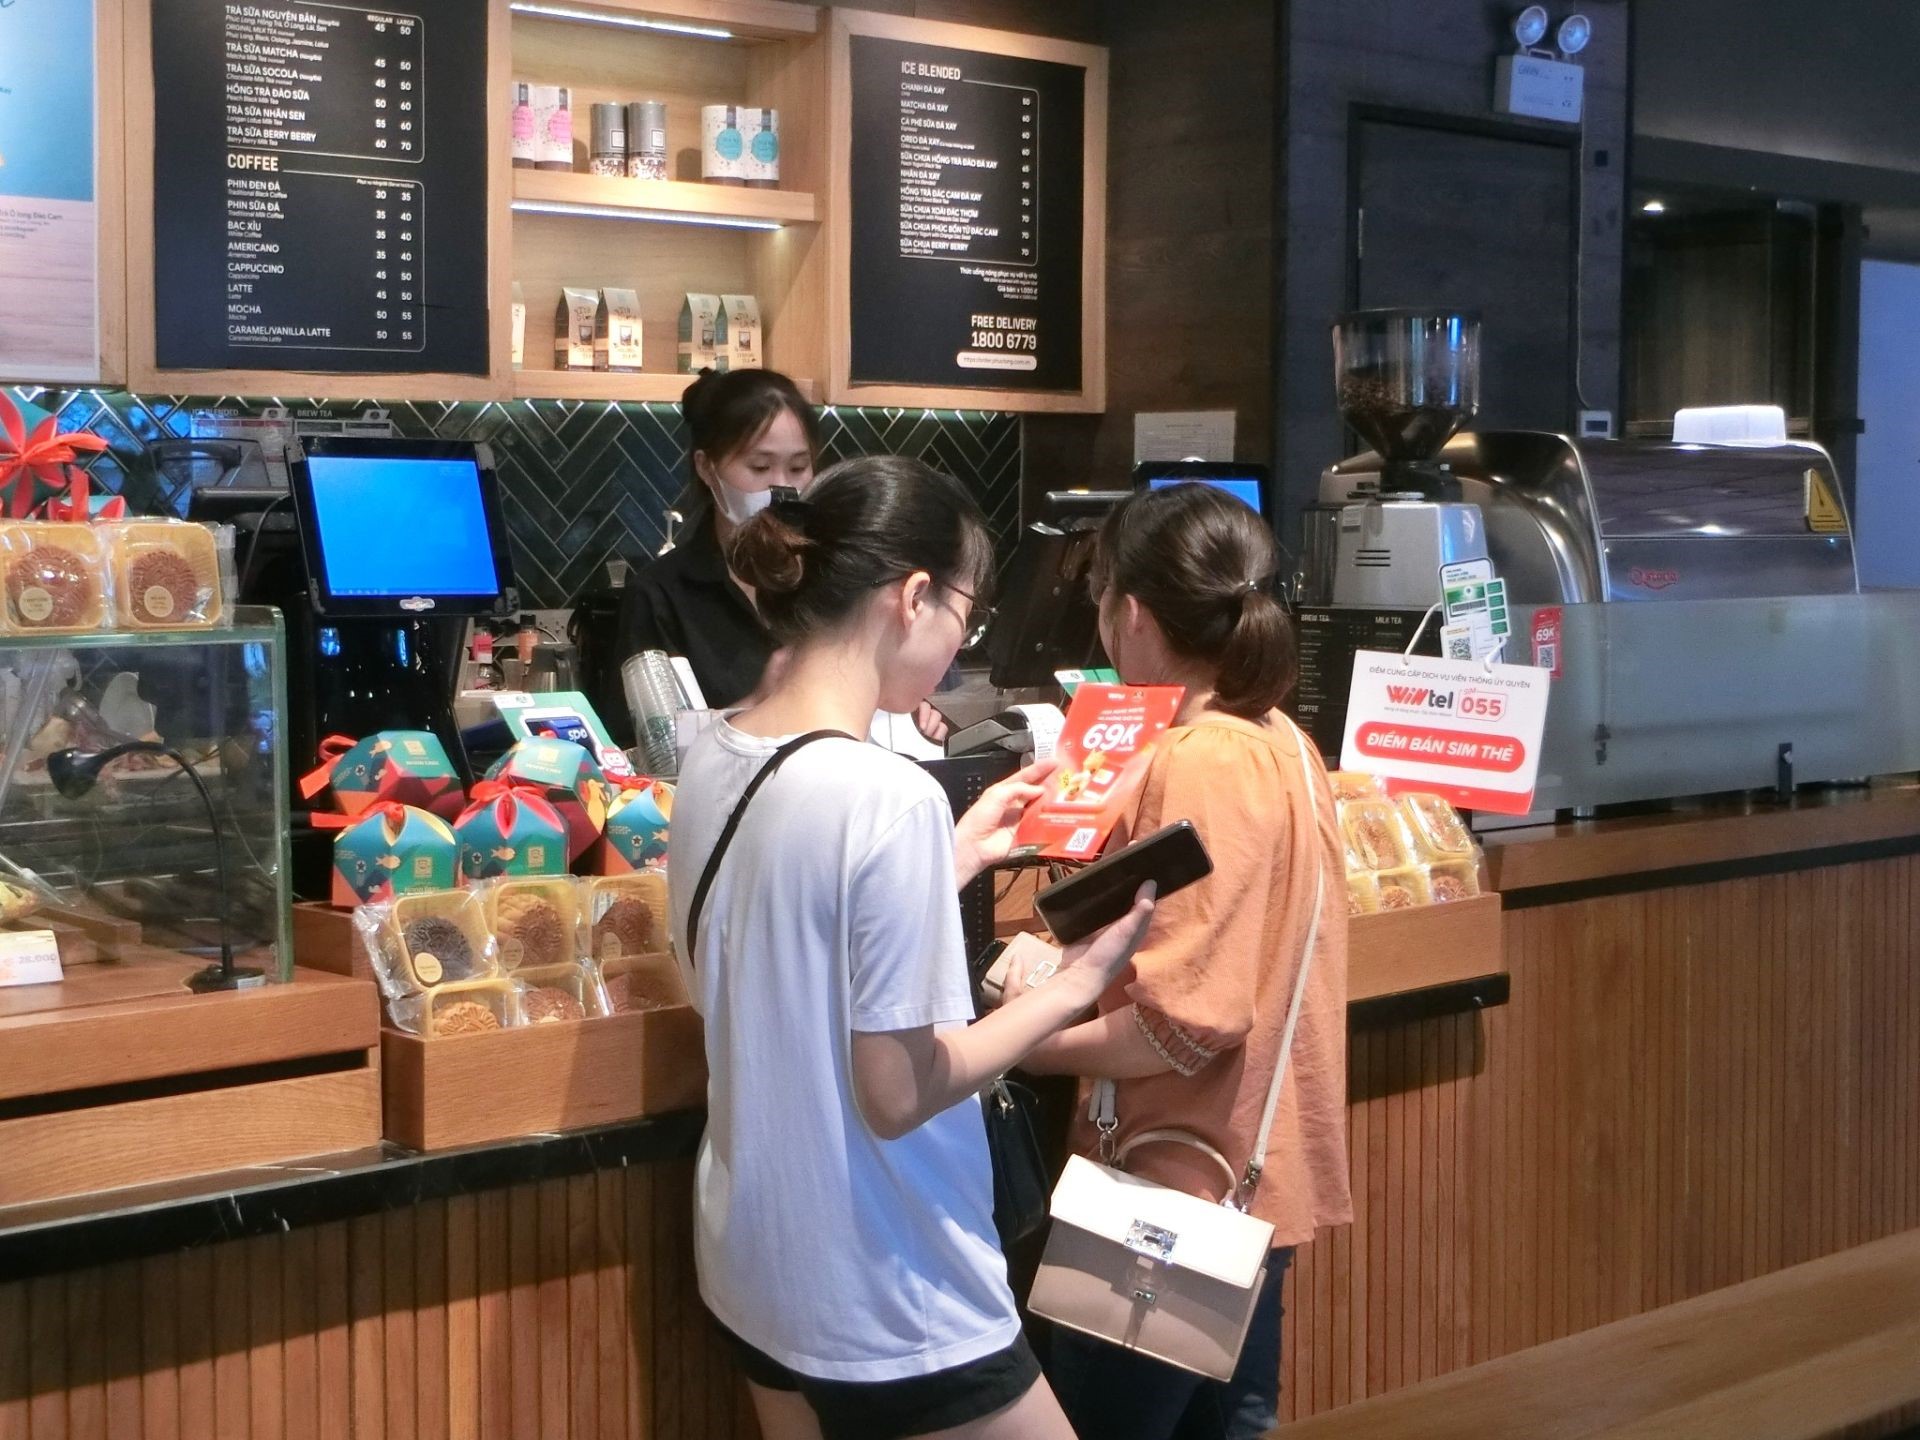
{"points": [[1463, 729], [50, 240]]}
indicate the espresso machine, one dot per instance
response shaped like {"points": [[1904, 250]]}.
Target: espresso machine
{"points": [[1386, 521], [1696, 600]]}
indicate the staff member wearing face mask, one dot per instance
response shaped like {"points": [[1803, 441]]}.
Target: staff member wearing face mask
{"points": [[750, 430]]}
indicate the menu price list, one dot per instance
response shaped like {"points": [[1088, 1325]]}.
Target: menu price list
{"points": [[968, 214], [1328, 641], [325, 79], [370, 227], [955, 200], [292, 218]]}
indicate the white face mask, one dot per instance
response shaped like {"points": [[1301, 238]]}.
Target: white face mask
{"points": [[740, 506]]}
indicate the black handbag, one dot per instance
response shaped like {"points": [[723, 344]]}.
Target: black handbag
{"points": [[1022, 1186], [1022, 1189]]}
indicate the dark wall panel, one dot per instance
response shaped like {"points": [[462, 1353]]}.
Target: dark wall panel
{"points": [[1435, 56]]}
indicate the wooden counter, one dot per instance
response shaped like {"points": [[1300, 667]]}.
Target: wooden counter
{"points": [[1705, 1073], [1717, 837], [1703, 1076]]}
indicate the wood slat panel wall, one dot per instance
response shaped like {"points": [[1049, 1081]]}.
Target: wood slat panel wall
{"points": [[557, 1311], [1690, 1088]]}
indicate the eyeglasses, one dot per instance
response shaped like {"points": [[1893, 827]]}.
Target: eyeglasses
{"points": [[978, 621]]}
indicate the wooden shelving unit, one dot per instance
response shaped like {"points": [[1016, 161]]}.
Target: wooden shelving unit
{"points": [[547, 230], [625, 389], [666, 201], [740, 19], [664, 238]]}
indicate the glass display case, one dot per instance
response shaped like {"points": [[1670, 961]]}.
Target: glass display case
{"points": [[125, 857]]}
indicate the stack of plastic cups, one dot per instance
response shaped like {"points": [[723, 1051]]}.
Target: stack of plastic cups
{"points": [[653, 697]]}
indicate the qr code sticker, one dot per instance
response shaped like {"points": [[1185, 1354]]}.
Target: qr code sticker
{"points": [[1081, 839], [1546, 656], [1460, 647]]}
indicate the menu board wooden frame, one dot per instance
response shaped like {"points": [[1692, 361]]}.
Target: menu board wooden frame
{"points": [[841, 389], [143, 372]]}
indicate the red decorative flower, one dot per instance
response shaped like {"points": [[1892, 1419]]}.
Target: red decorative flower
{"points": [[39, 456]]}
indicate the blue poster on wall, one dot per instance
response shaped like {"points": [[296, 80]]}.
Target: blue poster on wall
{"points": [[48, 243]]}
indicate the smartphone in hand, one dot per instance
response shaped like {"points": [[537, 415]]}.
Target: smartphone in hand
{"points": [[1173, 858]]}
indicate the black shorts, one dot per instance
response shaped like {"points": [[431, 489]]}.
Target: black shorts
{"points": [[896, 1409]]}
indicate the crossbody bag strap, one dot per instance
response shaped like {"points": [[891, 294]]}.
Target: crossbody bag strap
{"points": [[1257, 1162], [1240, 1187], [774, 762]]}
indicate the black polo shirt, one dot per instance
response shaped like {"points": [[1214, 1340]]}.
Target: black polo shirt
{"points": [[686, 603]]}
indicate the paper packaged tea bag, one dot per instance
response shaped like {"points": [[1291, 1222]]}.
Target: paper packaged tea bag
{"points": [[699, 332], [573, 326], [616, 332], [738, 344]]}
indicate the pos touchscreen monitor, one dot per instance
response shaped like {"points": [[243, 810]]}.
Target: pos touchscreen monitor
{"points": [[1249, 484], [400, 527]]}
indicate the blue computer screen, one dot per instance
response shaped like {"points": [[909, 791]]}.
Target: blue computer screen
{"points": [[413, 526], [1244, 488]]}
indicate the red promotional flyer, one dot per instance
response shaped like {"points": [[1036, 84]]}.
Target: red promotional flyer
{"points": [[1110, 736]]}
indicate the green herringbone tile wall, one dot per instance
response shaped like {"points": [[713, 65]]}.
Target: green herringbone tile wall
{"points": [[582, 483]]}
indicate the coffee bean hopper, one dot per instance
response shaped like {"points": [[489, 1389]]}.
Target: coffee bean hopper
{"points": [[1388, 519]]}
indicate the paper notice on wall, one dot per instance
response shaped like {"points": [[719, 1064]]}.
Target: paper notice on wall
{"points": [[49, 281], [1183, 435]]}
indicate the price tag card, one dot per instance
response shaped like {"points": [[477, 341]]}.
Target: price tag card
{"points": [[1461, 729], [1110, 736], [29, 957]]}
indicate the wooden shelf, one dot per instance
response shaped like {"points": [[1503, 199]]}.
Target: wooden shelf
{"points": [[1400, 950], [680, 202], [623, 389], [230, 1080], [533, 1079], [741, 19]]}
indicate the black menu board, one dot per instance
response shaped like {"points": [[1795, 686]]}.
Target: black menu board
{"points": [[968, 194], [320, 186]]}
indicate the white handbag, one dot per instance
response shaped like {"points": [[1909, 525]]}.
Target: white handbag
{"points": [[1154, 1269]]}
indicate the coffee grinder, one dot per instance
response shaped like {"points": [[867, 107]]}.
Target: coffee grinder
{"points": [[1387, 519]]}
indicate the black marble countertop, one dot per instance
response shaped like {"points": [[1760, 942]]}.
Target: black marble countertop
{"points": [[74, 1234]]}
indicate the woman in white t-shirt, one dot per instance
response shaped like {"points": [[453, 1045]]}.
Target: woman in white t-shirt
{"points": [[843, 1196]]}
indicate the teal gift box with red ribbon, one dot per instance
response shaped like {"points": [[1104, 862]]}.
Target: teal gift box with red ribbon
{"points": [[638, 820], [392, 850], [567, 777], [404, 767], [510, 830]]}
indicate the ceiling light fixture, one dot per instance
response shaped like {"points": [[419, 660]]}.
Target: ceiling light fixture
{"points": [[1654, 207], [623, 22], [616, 212]]}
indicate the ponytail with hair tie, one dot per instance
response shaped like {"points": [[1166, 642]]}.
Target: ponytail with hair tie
{"points": [[1181, 552]]}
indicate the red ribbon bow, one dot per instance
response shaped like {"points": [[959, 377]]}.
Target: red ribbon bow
{"points": [[393, 816], [41, 455], [329, 750]]}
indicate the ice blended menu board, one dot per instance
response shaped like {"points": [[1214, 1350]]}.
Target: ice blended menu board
{"points": [[320, 186], [967, 204]]}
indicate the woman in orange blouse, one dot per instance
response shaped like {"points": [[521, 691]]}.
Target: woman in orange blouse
{"points": [[1191, 1037]]}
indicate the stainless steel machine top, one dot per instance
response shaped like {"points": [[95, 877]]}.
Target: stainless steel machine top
{"points": [[1572, 522]]}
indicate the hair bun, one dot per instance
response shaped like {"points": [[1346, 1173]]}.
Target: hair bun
{"points": [[769, 554]]}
